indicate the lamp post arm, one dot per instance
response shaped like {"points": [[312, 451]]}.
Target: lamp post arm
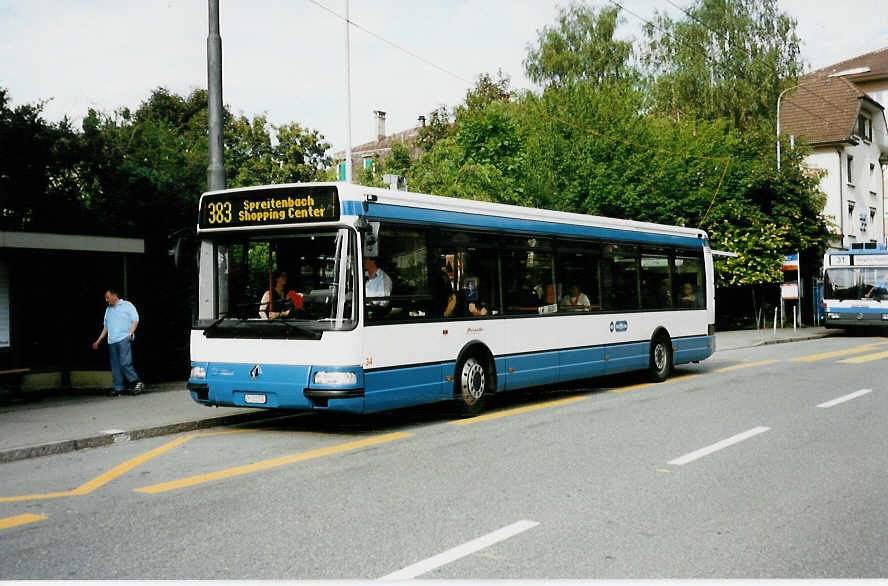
{"points": [[779, 97]]}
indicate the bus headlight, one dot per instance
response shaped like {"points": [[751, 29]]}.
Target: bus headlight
{"points": [[198, 372], [833, 316], [335, 378], [885, 316]]}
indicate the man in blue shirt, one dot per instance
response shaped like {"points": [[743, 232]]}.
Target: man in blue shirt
{"points": [[119, 326], [378, 283]]}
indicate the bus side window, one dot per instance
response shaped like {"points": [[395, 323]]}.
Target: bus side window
{"points": [[403, 257], [688, 285], [467, 284], [577, 269], [528, 276], [619, 277], [656, 292]]}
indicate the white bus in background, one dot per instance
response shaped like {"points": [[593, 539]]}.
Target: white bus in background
{"points": [[483, 298], [855, 286]]}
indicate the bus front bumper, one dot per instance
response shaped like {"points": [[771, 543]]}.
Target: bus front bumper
{"points": [[335, 388], [844, 319]]}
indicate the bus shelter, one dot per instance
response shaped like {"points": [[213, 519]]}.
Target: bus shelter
{"points": [[51, 305]]}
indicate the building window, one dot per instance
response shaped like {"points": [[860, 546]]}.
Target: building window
{"points": [[864, 127], [850, 176]]}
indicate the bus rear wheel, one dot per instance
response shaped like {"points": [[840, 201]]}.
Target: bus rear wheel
{"points": [[473, 385], [661, 358]]}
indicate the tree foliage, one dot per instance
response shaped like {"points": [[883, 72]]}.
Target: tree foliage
{"points": [[687, 143], [580, 47], [726, 59], [40, 170]]}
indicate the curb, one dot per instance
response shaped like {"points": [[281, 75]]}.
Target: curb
{"points": [[105, 439], [781, 341], [801, 339]]}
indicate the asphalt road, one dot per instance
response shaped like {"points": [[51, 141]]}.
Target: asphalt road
{"points": [[743, 466]]}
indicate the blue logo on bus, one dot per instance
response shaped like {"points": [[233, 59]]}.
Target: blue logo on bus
{"points": [[619, 326]]}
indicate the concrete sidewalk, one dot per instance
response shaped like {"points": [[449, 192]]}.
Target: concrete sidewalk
{"points": [[749, 338], [39, 424]]}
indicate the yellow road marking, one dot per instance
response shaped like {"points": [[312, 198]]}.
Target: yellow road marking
{"points": [[10, 522], [865, 358], [555, 403], [630, 387], [117, 471], [644, 385], [745, 365], [272, 463], [837, 353], [516, 410]]}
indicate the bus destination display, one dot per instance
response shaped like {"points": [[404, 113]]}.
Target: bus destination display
{"points": [[269, 207]]}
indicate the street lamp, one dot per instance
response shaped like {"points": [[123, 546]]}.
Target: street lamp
{"points": [[778, 121]]}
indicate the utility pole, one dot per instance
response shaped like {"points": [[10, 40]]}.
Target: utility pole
{"points": [[348, 98], [206, 301], [216, 168]]}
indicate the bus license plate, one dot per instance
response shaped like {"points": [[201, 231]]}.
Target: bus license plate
{"points": [[254, 399]]}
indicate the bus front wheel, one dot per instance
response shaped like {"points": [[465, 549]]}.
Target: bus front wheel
{"points": [[472, 385], [661, 358]]}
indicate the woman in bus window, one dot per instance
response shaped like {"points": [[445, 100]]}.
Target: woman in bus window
{"points": [[575, 300], [271, 306]]}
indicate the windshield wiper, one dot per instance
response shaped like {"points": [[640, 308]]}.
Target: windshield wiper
{"points": [[307, 332], [228, 314]]}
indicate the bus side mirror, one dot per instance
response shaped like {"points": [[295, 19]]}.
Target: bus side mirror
{"points": [[370, 233], [181, 246]]}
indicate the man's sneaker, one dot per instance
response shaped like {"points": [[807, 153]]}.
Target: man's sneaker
{"points": [[114, 393], [138, 388]]}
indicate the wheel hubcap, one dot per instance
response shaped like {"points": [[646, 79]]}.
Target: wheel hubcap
{"points": [[472, 381], [659, 357]]}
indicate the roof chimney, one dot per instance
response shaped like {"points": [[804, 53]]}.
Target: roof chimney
{"points": [[422, 121], [380, 124]]}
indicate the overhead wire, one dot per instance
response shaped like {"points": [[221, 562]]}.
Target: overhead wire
{"points": [[390, 43], [726, 160]]}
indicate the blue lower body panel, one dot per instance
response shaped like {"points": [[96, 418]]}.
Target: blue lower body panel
{"points": [[402, 387], [693, 349], [293, 387], [530, 370], [627, 357], [581, 363]]}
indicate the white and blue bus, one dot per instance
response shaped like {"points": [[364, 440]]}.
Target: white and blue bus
{"points": [[468, 298], [855, 286]]}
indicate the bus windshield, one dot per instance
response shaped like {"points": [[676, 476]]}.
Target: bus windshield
{"points": [[304, 280], [856, 283]]}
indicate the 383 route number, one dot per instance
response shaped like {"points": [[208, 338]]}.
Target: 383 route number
{"points": [[219, 212]]}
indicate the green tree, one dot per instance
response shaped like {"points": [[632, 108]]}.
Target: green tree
{"points": [[40, 171], [477, 155], [723, 58], [260, 153], [581, 47]]}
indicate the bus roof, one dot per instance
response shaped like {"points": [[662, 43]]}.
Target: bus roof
{"points": [[353, 198]]}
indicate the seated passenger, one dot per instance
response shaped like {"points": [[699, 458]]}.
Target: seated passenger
{"points": [[687, 296], [271, 306], [575, 300], [471, 303]]}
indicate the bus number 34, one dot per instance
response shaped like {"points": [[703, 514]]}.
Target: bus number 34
{"points": [[220, 212]]}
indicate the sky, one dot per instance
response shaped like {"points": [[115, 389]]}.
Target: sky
{"points": [[286, 58]]}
